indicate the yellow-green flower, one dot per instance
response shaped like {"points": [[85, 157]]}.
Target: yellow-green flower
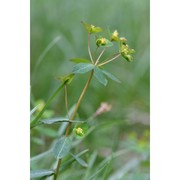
{"points": [[79, 131], [101, 42], [125, 51], [114, 36]]}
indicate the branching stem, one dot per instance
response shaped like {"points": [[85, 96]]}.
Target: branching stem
{"points": [[100, 56], [107, 61]]}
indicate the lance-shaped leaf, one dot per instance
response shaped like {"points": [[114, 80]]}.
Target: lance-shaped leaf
{"points": [[33, 110], [42, 173], [79, 160], [62, 147], [98, 73], [112, 77], [82, 68], [80, 60], [99, 170], [58, 120]]}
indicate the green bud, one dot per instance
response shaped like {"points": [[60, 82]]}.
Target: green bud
{"points": [[123, 40], [80, 130], [125, 50], [114, 36], [128, 57], [101, 42]]}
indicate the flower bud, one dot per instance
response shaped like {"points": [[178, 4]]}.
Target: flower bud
{"points": [[123, 40], [101, 42], [114, 36], [125, 51]]}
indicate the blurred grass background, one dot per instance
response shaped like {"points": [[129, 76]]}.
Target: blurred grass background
{"points": [[128, 122]]}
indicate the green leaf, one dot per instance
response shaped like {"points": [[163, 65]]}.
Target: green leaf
{"points": [[34, 109], [70, 161], [79, 60], [108, 43], [98, 171], [34, 121], [98, 73], [47, 131], [41, 155], [109, 75], [67, 79], [41, 173], [79, 160], [58, 120], [82, 68], [62, 147], [91, 28]]}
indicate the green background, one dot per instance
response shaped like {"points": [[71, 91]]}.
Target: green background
{"points": [[129, 118]]}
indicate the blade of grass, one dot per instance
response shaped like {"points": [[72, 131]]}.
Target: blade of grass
{"points": [[43, 54], [34, 121]]}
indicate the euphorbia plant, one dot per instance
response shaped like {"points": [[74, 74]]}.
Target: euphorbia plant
{"points": [[94, 65]]}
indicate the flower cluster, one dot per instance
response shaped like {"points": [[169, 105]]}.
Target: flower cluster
{"points": [[124, 49]]}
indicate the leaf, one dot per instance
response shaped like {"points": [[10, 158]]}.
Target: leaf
{"points": [[62, 147], [41, 155], [109, 75], [98, 171], [91, 162], [41, 173], [108, 43], [91, 28], [67, 79], [70, 161], [34, 109], [82, 68], [79, 160], [47, 131], [79, 60], [98, 73], [58, 120], [34, 121]]}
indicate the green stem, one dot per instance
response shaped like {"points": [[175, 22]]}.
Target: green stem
{"points": [[89, 50], [34, 121], [57, 169], [79, 101], [100, 56], [95, 52], [66, 100], [73, 116]]}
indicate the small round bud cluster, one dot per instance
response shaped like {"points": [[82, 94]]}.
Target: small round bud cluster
{"points": [[101, 42], [79, 131]]}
